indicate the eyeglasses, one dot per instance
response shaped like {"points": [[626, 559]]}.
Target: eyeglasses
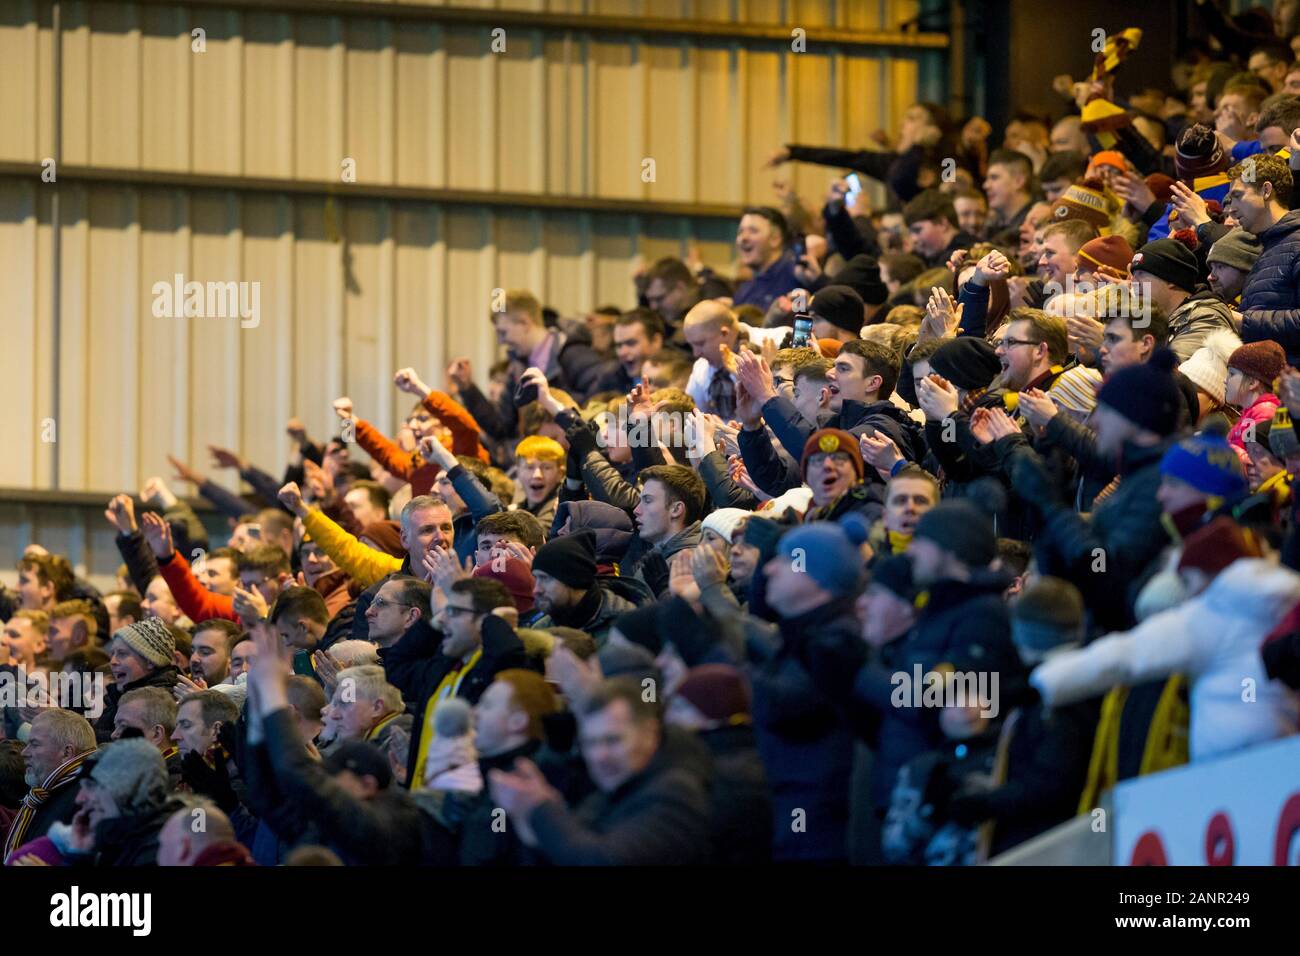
{"points": [[1012, 343], [381, 603]]}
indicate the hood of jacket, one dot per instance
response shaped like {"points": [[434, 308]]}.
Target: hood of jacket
{"points": [[612, 526], [1253, 588]]}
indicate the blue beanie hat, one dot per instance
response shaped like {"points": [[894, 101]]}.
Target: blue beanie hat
{"points": [[1206, 462], [828, 553]]}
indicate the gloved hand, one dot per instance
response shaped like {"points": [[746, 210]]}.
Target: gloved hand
{"points": [[582, 441], [654, 571]]}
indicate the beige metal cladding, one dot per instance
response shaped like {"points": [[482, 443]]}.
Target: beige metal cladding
{"points": [[229, 165]]}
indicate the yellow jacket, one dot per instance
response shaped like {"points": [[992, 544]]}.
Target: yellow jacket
{"points": [[362, 564]]}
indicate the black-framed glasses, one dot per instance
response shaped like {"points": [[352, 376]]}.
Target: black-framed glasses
{"points": [[1012, 343]]}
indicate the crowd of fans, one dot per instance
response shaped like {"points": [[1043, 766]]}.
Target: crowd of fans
{"points": [[647, 592]]}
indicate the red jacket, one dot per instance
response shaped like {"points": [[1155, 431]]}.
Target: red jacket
{"points": [[198, 603], [408, 465]]}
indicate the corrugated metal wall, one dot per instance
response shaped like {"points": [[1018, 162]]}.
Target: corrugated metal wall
{"points": [[351, 288]]}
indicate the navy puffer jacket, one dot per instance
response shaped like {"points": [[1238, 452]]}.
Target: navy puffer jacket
{"points": [[1270, 302]]}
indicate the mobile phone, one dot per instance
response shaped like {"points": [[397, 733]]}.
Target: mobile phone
{"points": [[525, 394], [855, 189], [803, 323], [800, 248]]}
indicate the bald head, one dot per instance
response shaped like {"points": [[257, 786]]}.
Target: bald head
{"points": [[709, 326], [191, 830]]}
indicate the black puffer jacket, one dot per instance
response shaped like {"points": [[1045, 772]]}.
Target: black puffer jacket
{"points": [[1270, 302]]}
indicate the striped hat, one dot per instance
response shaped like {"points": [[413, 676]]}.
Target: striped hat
{"points": [[1075, 389]]}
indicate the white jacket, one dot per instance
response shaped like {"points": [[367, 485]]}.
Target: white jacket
{"points": [[1214, 639]]}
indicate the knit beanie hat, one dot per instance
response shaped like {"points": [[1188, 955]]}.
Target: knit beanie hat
{"points": [[968, 361], [570, 559], [959, 527], [828, 553], [841, 306], [1282, 438], [798, 499], [515, 575], [387, 536], [641, 627], [831, 347], [829, 441], [134, 772], [1085, 201], [1105, 157], [862, 274], [1206, 462], [718, 691], [150, 639], [1161, 186], [1109, 255], [1217, 545], [1146, 394], [724, 522], [627, 660], [894, 574], [1047, 614], [361, 758], [1238, 249], [1075, 389], [1197, 153], [1170, 260], [1208, 366], [1262, 361]]}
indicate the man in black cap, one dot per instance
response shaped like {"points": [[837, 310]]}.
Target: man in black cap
{"points": [[348, 801], [566, 589], [1170, 278], [1107, 558], [838, 313]]}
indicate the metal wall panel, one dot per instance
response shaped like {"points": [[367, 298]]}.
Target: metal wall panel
{"points": [[352, 288]]}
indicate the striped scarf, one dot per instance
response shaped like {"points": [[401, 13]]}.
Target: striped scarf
{"points": [[63, 775]]}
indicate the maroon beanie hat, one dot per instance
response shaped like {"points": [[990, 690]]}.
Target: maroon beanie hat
{"points": [[515, 575], [387, 537], [1198, 153], [1262, 361], [718, 691], [828, 441]]}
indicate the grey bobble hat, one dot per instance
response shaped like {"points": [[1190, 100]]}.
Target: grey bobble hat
{"points": [[134, 772], [150, 639]]}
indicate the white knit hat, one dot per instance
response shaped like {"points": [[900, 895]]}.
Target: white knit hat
{"points": [[723, 522], [1208, 366], [797, 498]]}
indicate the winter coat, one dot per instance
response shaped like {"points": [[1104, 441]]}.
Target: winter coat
{"points": [[1214, 638], [387, 829], [595, 613], [416, 666], [1270, 301], [804, 741], [659, 817], [1260, 410], [742, 808], [131, 840], [164, 677], [1200, 314], [1106, 557], [856, 418]]}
